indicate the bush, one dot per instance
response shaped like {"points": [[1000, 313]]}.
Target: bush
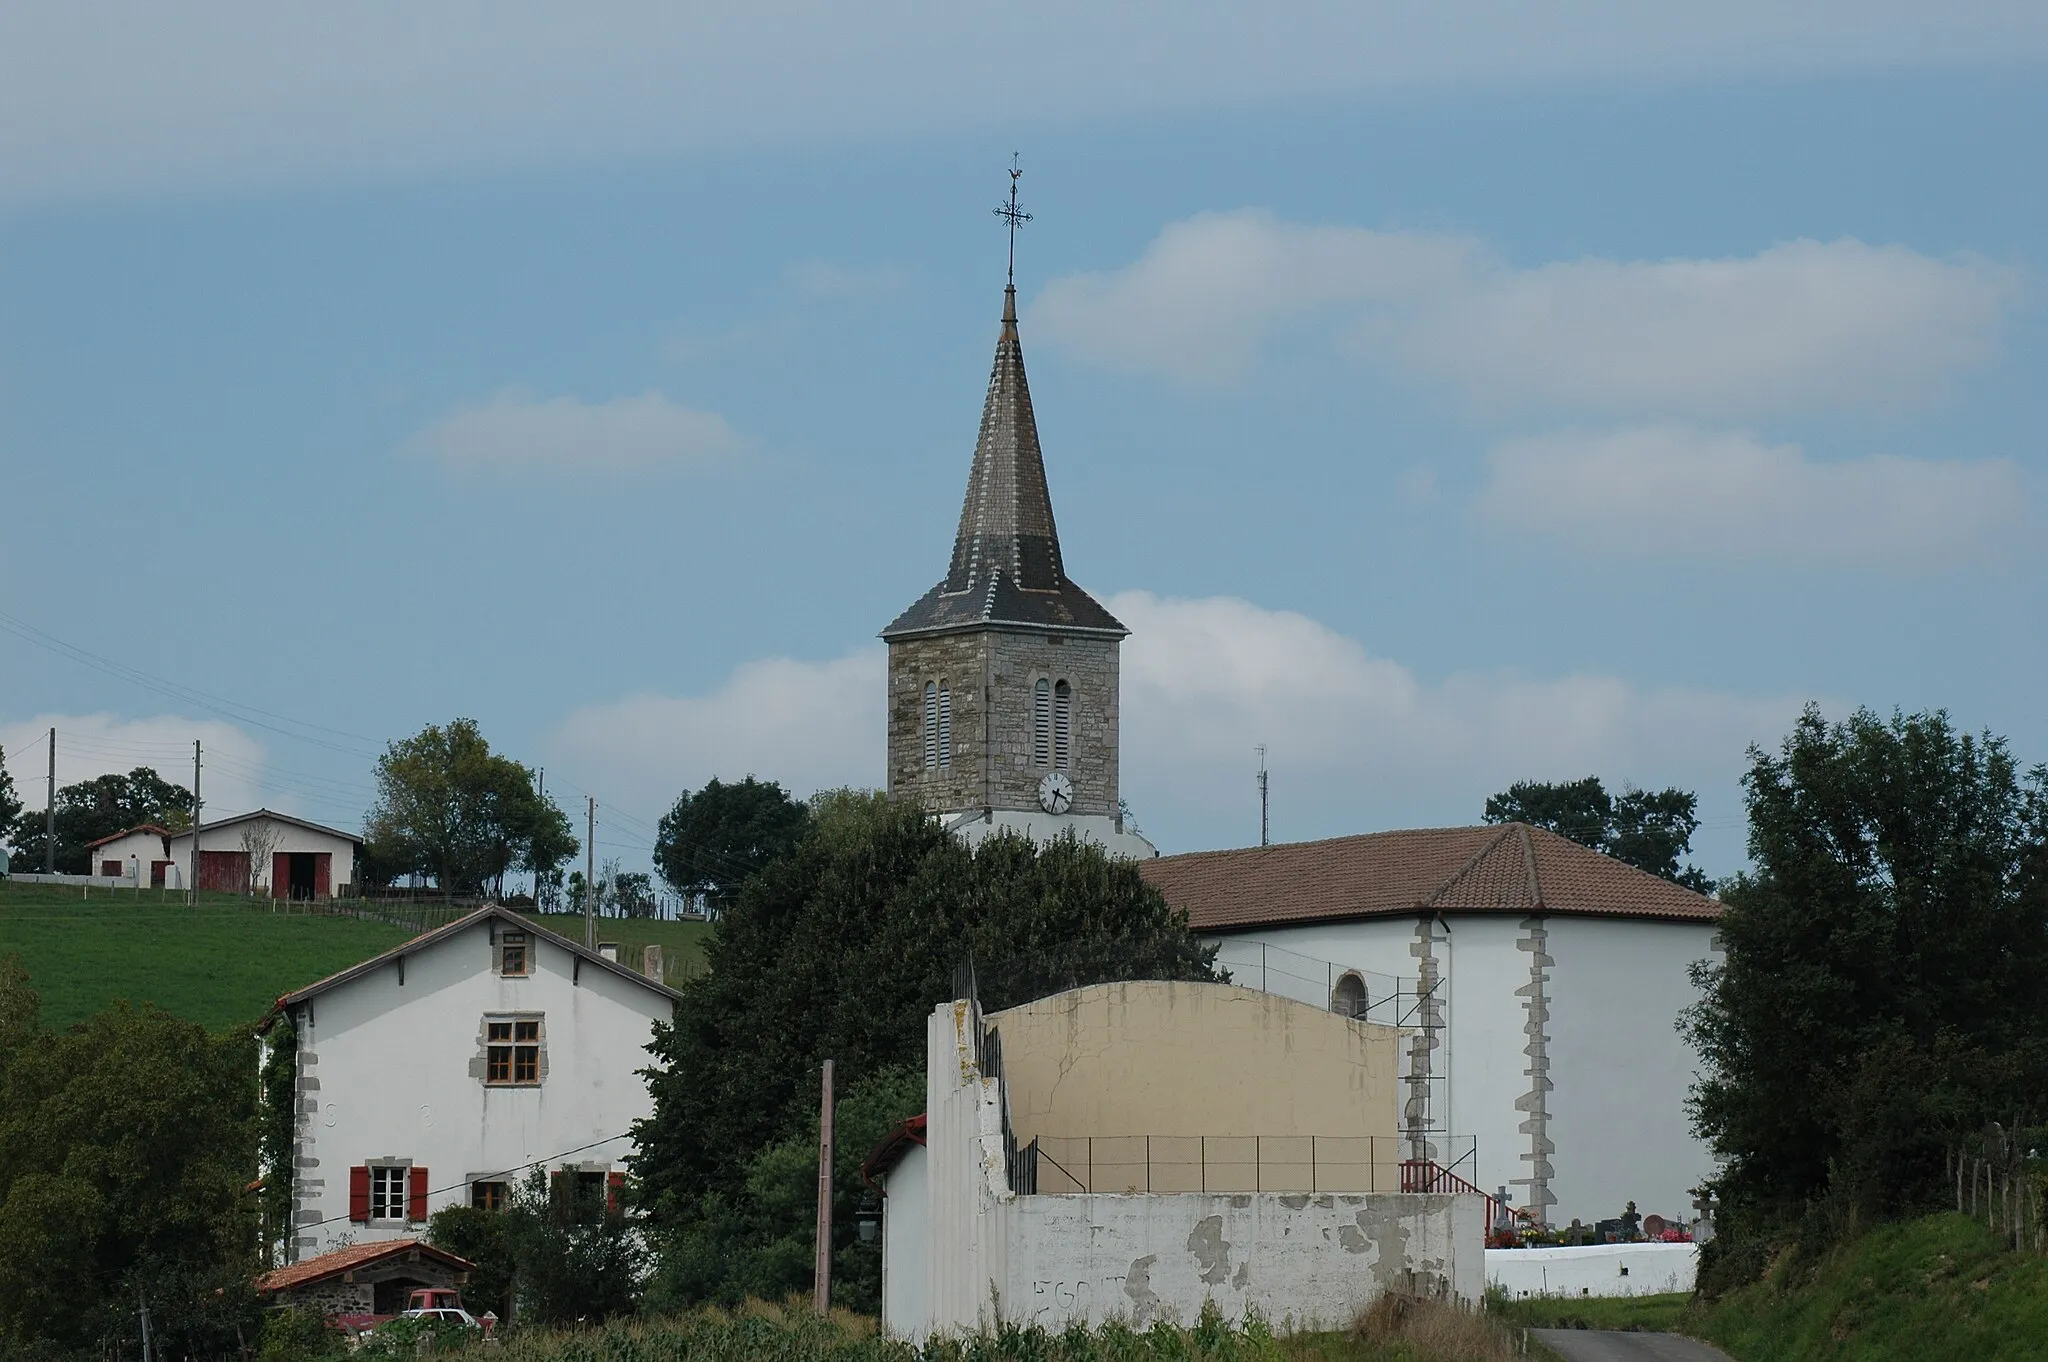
{"points": [[298, 1335]]}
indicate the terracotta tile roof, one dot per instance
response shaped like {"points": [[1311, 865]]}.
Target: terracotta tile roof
{"points": [[353, 1257], [124, 832], [1498, 868]]}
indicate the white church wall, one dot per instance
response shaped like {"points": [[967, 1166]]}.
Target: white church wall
{"points": [[1613, 992], [1621, 1067], [1593, 1270]]}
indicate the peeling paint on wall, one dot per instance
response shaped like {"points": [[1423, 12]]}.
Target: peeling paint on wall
{"points": [[1138, 1286], [1211, 1250]]}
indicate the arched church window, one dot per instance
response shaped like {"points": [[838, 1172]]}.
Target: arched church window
{"points": [[945, 725], [1062, 723], [931, 724], [1349, 998], [1041, 723]]}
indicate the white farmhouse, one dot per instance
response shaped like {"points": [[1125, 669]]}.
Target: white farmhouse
{"points": [[1542, 984], [140, 855], [266, 852], [438, 1073]]}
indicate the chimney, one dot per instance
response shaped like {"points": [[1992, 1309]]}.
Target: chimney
{"points": [[650, 963]]}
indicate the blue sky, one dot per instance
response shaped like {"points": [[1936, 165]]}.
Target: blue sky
{"points": [[1440, 404]]}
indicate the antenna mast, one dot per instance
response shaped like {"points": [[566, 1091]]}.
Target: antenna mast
{"points": [[1262, 795]]}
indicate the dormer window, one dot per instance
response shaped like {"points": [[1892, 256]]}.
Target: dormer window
{"points": [[515, 955]]}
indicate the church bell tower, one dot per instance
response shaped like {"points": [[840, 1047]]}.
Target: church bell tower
{"points": [[1003, 681]]}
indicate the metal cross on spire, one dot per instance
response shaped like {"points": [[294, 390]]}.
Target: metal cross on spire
{"points": [[1013, 215]]}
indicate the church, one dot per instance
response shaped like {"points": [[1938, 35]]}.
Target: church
{"points": [[1539, 984]]}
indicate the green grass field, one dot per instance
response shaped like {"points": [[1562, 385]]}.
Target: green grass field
{"points": [[220, 964], [224, 962]]}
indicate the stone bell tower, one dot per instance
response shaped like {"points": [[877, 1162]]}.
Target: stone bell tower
{"points": [[1003, 677]]}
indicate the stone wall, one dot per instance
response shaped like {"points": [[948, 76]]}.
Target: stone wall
{"points": [[991, 676]]}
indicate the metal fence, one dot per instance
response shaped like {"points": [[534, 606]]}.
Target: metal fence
{"points": [[1308, 1164]]}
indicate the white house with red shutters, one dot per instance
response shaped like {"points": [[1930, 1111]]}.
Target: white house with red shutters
{"points": [[266, 852], [140, 855], [440, 1072]]}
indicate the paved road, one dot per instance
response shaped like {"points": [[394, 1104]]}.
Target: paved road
{"points": [[1599, 1345]]}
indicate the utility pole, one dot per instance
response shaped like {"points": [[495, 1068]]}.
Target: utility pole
{"points": [[590, 877], [192, 880], [540, 794], [1262, 794], [821, 1278], [50, 814]]}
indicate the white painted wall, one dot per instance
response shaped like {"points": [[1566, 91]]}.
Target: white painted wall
{"points": [[289, 838], [906, 1238], [1046, 827], [1594, 1270], [1299, 1259], [1619, 1067], [391, 1070], [1618, 1115], [135, 851]]}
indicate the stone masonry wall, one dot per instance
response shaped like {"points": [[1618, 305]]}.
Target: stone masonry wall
{"points": [[958, 661], [1089, 665], [1016, 661]]}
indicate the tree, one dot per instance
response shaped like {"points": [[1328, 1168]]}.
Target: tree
{"points": [[712, 840], [450, 808], [101, 807], [10, 809], [1651, 831], [126, 1144], [1884, 983], [841, 947], [548, 1257]]}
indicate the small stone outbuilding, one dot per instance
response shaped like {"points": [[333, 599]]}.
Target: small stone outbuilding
{"points": [[364, 1279]]}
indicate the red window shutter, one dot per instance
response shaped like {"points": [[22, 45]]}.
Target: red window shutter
{"points": [[416, 1194], [359, 1193], [614, 1184]]}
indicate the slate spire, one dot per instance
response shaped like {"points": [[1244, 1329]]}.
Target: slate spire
{"points": [[1006, 566]]}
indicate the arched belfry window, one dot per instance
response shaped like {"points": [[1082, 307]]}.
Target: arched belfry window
{"points": [[1349, 998], [945, 725], [1041, 723], [931, 724], [1062, 724]]}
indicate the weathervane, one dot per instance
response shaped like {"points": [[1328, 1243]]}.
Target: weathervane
{"points": [[1013, 215]]}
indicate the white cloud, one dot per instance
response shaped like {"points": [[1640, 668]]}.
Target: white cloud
{"points": [[1802, 324], [515, 432], [809, 725], [1669, 490], [98, 96], [90, 745], [1357, 742]]}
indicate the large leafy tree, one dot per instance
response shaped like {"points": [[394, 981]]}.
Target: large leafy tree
{"points": [[1649, 829], [841, 948], [10, 808], [96, 808], [713, 839], [1884, 983], [126, 1146], [450, 808]]}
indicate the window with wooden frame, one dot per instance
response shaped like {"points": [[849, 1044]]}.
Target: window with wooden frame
{"points": [[512, 1051], [490, 1196], [388, 1192], [515, 954]]}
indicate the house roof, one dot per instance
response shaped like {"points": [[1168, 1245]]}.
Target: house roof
{"points": [[1006, 567], [1497, 868], [274, 816], [353, 1257], [465, 922], [892, 1148], [129, 832]]}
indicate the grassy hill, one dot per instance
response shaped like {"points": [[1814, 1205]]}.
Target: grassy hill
{"points": [[224, 962]]}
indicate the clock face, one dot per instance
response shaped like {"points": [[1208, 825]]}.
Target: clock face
{"points": [[1056, 793]]}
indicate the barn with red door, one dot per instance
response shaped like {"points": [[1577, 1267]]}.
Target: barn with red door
{"points": [[273, 854]]}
